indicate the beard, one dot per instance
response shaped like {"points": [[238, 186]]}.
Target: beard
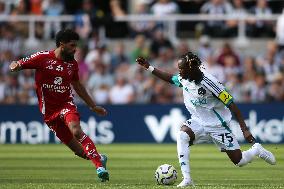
{"points": [[67, 56]]}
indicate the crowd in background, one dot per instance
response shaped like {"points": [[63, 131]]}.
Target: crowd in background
{"points": [[109, 71]]}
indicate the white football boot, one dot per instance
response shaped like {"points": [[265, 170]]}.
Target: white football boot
{"points": [[265, 154], [186, 182]]}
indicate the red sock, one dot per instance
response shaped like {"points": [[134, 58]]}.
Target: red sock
{"points": [[90, 150]]}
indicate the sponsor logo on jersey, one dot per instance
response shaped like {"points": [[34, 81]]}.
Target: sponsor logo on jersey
{"points": [[201, 91], [199, 101], [59, 68], [58, 81]]}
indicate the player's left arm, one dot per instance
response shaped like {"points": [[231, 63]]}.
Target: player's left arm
{"points": [[82, 92], [220, 92], [237, 113]]}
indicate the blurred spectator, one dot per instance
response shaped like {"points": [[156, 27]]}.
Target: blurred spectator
{"points": [[159, 41], [52, 8], [83, 24], [83, 68], [21, 8], [101, 95], [213, 7], [215, 69], [122, 92], [10, 41], [205, 49], [276, 89], [140, 49], [270, 61], [162, 93], [99, 54], [234, 86], [249, 69], [119, 56], [165, 59], [238, 11], [164, 7], [116, 29], [99, 77], [258, 90], [141, 27], [280, 31], [182, 48], [36, 7], [226, 51], [258, 28]]}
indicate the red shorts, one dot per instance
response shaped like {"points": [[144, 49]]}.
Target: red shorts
{"points": [[59, 125]]}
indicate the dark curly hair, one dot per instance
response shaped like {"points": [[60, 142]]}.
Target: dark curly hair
{"points": [[191, 58], [66, 36]]}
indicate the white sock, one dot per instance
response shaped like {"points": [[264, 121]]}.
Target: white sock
{"points": [[247, 156], [183, 153]]}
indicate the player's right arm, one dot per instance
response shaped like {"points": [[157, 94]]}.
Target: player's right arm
{"points": [[15, 66], [160, 74], [30, 62]]}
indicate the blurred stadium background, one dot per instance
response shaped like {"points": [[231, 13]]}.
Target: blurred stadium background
{"points": [[240, 41]]}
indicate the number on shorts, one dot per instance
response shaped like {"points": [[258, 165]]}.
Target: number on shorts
{"points": [[228, 137]]}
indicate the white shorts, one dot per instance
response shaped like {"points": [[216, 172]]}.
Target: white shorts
{"points": [[222, 136]]}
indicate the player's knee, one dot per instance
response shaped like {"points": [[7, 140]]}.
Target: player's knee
{"points": [[75, 129], [183, 136]]}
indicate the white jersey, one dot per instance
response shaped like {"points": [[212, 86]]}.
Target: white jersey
{"points": [[206, 101]]}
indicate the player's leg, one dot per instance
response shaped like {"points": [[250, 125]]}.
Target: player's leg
{"points": [[63, 133], [227, 142], [77, 148], [243, 158], [73, 122], [185, 138]]}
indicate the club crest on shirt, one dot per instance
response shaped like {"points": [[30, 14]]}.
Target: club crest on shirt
{"points": [[201, 91]]}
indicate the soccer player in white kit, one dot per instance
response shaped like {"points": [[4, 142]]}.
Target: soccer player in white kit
{"points": [[211, 108]]}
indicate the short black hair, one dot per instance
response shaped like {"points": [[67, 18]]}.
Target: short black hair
{"points": [[65, 36], [190, 57]]}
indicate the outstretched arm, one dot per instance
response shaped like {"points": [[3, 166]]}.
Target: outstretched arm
{"points": [[236, 111], [160, 74], [15, 66], [82, 92]]}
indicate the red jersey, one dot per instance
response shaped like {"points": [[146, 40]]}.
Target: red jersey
{"points": [[53, 79]]}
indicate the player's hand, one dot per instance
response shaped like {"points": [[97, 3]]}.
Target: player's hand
{"points": [[248, 136], [14, 66], [99, 110], [143, 62]]}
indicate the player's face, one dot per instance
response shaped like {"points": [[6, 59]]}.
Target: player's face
{"points": [[68, 50], [183, 69]]}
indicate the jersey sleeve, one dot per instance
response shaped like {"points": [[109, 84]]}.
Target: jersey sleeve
{"points": [[176, 80], [217, 89], [33, 61]]}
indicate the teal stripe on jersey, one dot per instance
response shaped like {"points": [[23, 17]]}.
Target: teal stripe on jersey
{"points": [[176, 81], [224, 124]]}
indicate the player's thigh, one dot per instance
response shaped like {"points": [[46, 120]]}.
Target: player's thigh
{"points": [[224, 139], [198, 131], [61, 130], [72, 120]]}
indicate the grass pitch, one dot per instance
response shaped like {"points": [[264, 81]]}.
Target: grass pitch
{"points": [[131, 166]]}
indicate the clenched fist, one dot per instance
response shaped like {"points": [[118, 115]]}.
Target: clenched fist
{"points": [[143, 62], [15, 66]]}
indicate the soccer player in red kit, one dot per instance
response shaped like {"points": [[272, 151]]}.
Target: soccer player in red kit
{"points": [[56, 71]]}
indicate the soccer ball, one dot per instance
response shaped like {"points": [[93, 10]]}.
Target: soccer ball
{"points": [[166, 174]]}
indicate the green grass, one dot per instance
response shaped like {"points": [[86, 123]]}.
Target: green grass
{"points": [[131, 166]]}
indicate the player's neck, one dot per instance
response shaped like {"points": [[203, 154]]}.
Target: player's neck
{"points": [[57, 53]]}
